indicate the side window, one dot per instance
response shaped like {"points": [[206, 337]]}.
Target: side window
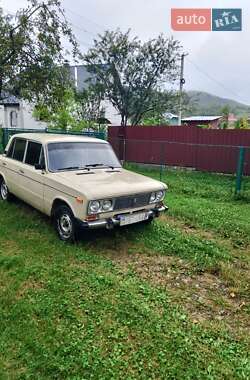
{"points": [[33, 153], [11, 149], [19, 149]]}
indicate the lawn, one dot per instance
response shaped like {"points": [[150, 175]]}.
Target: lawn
{"points": [[166, 301]]}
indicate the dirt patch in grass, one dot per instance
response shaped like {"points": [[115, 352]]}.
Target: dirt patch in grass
{"points": [[188, 227], [9, 247], [28, 285], [205, 296]]}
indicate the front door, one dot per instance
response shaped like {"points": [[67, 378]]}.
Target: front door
{"points": [[33, 179]]}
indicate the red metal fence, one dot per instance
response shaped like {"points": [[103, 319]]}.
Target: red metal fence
{"points": [[202, 149]]}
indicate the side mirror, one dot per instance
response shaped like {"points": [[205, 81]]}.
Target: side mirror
{"points": [[39, 167]]}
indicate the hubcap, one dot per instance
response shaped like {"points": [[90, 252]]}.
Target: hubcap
{"points": [[4, 191], [65, 226]]}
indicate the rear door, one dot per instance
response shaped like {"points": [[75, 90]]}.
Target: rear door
{"points": [[14, 166], [33, 179]]}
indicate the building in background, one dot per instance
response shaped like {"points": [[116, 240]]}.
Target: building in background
{"points": [[15, 113], [82, 78], [232, 119], [171, 118], [212, 122]]}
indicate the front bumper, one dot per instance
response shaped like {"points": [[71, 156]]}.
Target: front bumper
{"points": [[110, 223]]}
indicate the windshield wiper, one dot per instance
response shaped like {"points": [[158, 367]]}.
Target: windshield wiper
{"points": [[74, 168], [101, 165]]}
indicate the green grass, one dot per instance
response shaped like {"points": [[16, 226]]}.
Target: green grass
{"points": [[207, 201], [86, 311]]}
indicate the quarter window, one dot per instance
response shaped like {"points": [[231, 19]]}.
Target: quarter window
{"points": [[33, 153], [19, 149]]}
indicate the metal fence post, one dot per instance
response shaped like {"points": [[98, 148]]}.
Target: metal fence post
{"points": [[240, 168]]}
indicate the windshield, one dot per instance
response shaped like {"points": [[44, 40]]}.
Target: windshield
{"points": [[80, 155]]}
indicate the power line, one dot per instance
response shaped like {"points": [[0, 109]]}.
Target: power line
{"points": [[83, 29], [102, 27], [216, 81], [82, 43]]}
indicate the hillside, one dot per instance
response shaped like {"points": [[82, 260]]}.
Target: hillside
{"points": [[203, 103]]}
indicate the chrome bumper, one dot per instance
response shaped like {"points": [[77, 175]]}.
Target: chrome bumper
{"points": [[110, 223]]}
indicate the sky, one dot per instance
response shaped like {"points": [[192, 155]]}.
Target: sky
{"points": [[217, 62]]}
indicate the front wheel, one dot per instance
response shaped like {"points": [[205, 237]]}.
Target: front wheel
{"points": [[65, 224], [4, 191], [148, 221]]}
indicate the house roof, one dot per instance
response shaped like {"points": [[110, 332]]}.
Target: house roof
{"points": [[232, 117], [202, 118], [170, 115], [9, 99]]}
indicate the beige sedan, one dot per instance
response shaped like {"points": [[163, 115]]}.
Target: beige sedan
{"points": [[78, 181]]}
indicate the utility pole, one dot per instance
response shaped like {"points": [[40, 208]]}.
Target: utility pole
{"points": [[182, 82]]}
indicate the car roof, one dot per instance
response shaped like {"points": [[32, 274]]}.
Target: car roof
{"points": [[45, 138]]}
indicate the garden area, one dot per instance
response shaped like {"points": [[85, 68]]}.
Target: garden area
{"points": [[168, 300]]}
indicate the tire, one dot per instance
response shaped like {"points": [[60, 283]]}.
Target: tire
{"points": [[4, 191], [148, 221], [65, 224]]}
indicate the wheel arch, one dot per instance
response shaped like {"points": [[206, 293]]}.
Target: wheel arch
{"points": [[2, 176], [59, 202]]}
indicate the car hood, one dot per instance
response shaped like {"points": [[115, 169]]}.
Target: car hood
{"points": [[103, 183]]}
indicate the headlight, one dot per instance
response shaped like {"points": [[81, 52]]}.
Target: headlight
{"points": [[152, 198], [98, 206], [157, 196], [94, 207], [107, 205]]}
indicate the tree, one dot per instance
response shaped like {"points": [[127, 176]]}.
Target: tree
{"points": [[77, 110], [162, 102], [242, 123], [130, 71], [32, 53], [225, 113], [65, 114], [90, 107]]}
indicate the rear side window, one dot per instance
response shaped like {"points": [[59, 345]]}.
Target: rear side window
{"points": [[33, 153], [19, 149]]}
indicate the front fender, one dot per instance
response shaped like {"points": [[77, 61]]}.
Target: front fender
{"points": [[76, 207]]}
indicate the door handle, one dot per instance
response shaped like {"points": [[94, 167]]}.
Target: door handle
{"points": [[21, 171], [4, 164]]}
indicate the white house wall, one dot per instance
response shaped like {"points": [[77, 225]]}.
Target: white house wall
{"points": [[82, 77], [27, 120], [2, 120], [110, 113]]}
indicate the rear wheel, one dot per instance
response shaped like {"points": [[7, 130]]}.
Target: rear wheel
{"points": [[4, 191], [65, 224]]}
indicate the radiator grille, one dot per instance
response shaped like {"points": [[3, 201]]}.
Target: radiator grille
{"points": [[132, 201]]}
